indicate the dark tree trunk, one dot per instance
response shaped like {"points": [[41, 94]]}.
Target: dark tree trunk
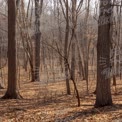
{"points": [[103, 91], [73, 62], [12, 91]]}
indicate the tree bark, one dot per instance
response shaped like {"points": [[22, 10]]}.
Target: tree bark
{"points": [[37, 42], [65, 50], [103, 91], [12, 90]]}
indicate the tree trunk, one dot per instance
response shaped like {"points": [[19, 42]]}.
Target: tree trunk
{"points": [[73, 62], [65, 50], [81, 69], [103, 91], [12, 91], [37, 42]]}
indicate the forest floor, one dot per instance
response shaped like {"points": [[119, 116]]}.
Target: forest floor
{"points": [[49, 103]]}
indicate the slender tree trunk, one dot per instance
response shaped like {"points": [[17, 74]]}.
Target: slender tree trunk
{"points": [[73, 62], [86, 44], [37, 42], [73, 41], [1, 87], [65, 50], [81, 69]]}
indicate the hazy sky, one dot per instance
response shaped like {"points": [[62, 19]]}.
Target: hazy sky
{"points": [[2, 2]]}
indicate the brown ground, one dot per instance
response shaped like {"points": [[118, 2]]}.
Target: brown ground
{"points": [[49, 103]]}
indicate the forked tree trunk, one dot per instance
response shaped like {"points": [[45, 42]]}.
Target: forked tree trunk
{"points": [[12, 90], [103, 92]]}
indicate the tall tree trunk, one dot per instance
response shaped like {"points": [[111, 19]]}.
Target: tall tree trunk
{"points": [[103, 92], [86, 45], [73, 61], [1, 87], [65, 50], [74, 23], [37, 42], [12, 91]]}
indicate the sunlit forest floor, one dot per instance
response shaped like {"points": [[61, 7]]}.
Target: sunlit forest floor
{"points": [[49, 103]]}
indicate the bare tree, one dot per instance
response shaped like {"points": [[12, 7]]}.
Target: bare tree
{"points": [[12, 90], [66, 16], [103, 92], [38, 11]]}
